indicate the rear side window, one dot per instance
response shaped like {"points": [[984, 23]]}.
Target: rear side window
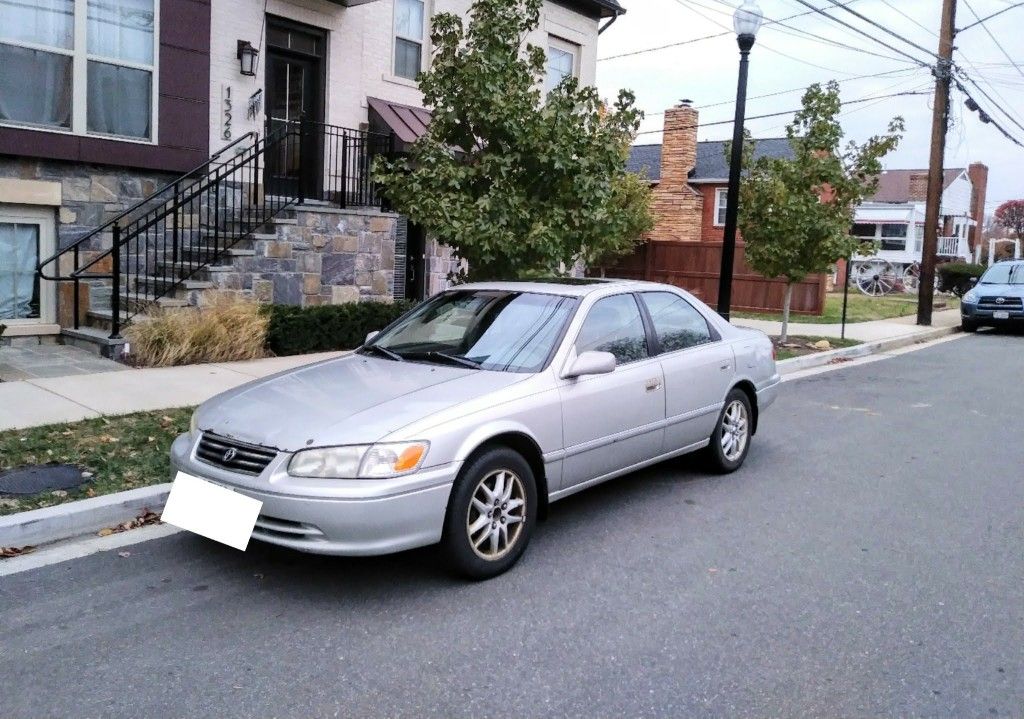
{"points": [[614, 325], [676, 323]]}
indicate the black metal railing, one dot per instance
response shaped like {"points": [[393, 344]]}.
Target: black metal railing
{"points": [[158, 244], [340, 172]]}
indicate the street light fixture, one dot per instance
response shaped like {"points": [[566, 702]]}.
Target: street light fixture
{"points": [[746, 21]]}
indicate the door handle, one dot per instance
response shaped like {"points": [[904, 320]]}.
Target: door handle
{"points": [[653, 385], [724, 367]]}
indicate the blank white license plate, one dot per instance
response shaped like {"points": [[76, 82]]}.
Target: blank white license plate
{"points": [[211, 510], [1001, 315]]}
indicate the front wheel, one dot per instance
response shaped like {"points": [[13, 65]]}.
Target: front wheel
{"points": [[967, 325], [730, 441], [491, 514]]}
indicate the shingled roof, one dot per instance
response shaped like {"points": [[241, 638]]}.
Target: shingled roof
{"points": [[895, 186], [645, 160]]}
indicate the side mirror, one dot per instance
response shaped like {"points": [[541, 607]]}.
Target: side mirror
{"points": [[591, 363], [370, 336]]}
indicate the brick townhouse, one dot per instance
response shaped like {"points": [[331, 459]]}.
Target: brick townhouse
{"points": [[104, 103]]}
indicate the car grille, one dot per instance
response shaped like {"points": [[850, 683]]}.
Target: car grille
{"points": [[992, 303], [244, 459]]}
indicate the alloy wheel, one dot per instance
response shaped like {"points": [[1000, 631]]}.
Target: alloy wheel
{"points": [[735, 425], [496, 514]]}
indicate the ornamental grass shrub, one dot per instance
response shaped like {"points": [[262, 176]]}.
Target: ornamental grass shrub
{"points": [[226, 330]]}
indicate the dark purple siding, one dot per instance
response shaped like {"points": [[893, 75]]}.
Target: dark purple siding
{"points": [[183, 126]]}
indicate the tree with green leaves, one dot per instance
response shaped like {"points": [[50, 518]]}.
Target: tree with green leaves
{"points": [[796, 214], [515, 182]]}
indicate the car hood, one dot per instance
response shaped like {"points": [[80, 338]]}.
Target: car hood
{"points": [[999, 290], [350, 400]]}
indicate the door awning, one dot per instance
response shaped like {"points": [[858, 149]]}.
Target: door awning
{"points": [[407, 122], [880, 216]]}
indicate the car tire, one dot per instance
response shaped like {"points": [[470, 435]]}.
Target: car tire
{"points": [[730, 442], [967, 325], [491, 514]]}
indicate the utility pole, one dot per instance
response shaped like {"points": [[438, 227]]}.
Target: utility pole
{"points": [[940, 125]]}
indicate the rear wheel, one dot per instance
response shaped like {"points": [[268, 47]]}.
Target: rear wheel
{"points": [[730, 441], [491, 514]]}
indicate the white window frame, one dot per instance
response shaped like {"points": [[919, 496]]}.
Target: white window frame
{"points": [[567, 46], [721, 205], [80, 57], [44, 218], [421, 41]]}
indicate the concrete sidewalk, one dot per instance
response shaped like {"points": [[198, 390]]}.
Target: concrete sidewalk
{"points": [[34, 402], [863, 331]]}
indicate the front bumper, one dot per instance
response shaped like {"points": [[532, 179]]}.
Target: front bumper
{"points": [[985, 316], [340, 517]]}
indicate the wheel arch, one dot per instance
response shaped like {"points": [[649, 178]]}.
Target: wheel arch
{"points": [[748, 388], [524, 444]]}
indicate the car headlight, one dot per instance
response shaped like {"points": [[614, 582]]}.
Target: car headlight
{"points": [[193, 425], [378, 461], [971, 296]]}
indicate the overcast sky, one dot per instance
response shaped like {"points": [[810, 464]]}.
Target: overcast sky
{"points": [[705, 72]]}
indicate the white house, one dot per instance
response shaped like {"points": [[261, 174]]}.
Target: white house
{"points": [[895, 216]]}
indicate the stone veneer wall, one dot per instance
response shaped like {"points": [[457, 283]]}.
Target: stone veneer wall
{"points": [[318, 255], [676, 206], [90, 194], [440, 263]]}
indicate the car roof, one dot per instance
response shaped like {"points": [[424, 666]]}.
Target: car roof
{"points": [[569, 286]]}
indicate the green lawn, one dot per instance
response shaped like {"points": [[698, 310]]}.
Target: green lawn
{"points": [[861, 308], [121, 453]]}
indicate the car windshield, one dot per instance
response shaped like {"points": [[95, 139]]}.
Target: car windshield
{"points": [[498, 330], [1004, 274]]}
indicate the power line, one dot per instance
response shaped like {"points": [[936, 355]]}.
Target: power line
{"points": [[800, 33], [994, 39], [790, 90], [882, 27], [699, 39], [908, 17], [865, 33], [989, 17], [791, 112]]}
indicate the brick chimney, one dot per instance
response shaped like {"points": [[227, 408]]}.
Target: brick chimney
{"points": [[978, 173], [679, 145], [918, 187]]}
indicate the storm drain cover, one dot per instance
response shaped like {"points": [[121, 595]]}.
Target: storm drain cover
{"points": [[40, 478]]}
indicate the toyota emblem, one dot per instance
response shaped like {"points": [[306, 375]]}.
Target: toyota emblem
{"points": [[230, 454], [1000, 300]]}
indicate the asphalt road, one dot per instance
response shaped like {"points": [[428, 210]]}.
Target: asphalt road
{"points": [[868, 560]]}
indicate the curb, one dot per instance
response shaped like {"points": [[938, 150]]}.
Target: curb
{"points": [[73, 519], [819, 359]]}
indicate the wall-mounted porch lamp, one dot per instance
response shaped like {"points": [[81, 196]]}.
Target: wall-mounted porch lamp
{"points": [[247, 55]]}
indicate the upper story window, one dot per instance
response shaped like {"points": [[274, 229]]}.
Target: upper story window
{"points": [[721, 203], [410, 17], [563, 62], [86, 66]]}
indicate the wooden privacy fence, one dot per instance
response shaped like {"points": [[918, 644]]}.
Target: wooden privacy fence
{"points": [[694, 266]]}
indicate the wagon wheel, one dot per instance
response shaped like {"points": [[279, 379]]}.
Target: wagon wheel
{"points": [[876, 277], [912, 278]]}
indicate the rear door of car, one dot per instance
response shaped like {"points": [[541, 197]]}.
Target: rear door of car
{"points": [[698, 367], [613, 421]]}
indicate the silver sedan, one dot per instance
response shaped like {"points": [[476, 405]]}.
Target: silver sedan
{"points": [[463, 420]]}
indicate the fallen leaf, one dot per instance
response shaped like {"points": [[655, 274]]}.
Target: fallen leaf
{"points": [[105, 532], [9, 504], [90, 492], [712, 570], [124, 554], [58, 493], [7, 552], [86, 475]]}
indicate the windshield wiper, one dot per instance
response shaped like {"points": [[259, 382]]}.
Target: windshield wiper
{"points": [[452, 359], [382, 351]]}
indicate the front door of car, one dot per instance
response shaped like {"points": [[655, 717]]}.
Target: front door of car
{"points": [[612, 421], [698, 368]]}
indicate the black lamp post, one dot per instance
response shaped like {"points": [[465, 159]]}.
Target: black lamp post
{"points": [[746, 21]]}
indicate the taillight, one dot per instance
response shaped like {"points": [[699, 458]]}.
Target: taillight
{"points": [[773, 351]]}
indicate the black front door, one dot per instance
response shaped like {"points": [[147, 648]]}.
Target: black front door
{"points": [[415, 264], [295, 89]]}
